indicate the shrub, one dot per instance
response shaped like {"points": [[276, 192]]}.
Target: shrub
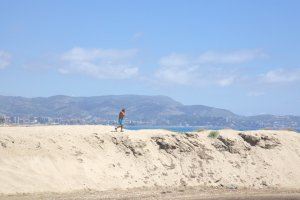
{"points": [[213, 134], [200, 130]]}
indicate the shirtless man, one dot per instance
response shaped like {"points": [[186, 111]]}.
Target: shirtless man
{"points": [[121, 120]]}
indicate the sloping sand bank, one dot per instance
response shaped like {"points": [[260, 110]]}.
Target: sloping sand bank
{"points": [[92, 158]]}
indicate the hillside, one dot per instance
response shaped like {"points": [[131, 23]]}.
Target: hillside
{"points": [[69, 158], [140, 107], [150, 110]]}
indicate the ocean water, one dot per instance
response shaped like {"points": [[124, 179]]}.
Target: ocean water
{"points": [[170, 128], [178, 128]]}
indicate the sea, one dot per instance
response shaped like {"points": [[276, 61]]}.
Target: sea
{"points": [[170, 128], [181, 129]]}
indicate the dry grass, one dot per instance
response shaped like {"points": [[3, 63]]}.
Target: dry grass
{"points": [[213, 134]]}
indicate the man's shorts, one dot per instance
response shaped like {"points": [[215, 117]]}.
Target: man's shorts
{"points": [[121, 122]]}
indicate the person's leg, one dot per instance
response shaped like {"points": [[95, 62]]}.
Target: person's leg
{"points": [[121, 128], [118, 125], [117, 128]]}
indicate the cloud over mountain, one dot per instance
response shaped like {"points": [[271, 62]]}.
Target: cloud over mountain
{"points": [[282, 75], [99, 63], [208, 68], [5, 59]]}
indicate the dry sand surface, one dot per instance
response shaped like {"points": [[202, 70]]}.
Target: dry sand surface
{"points": [[92, 162], [177, 193]]}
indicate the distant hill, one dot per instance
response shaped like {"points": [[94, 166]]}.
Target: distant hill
{"points": [[151, 110]]}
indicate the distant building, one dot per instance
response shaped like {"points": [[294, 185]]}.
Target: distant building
{"points": [[2, 119], [15, 120]]}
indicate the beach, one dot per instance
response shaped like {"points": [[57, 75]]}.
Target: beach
{"points": [[94, 162]]}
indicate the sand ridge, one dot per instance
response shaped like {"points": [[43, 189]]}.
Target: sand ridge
{"points": [[70, 158]]}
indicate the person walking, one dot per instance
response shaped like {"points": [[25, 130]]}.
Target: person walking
{"points": [[121, 120]]}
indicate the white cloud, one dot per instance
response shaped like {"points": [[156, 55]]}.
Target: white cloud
{"points": [[226, 81], [282, 75], [174, 60], [235, 57], [176, 68], [137, 36], [178, 75], [99, 63], [5, 59], [81, 54], [255, 94], [207, 68]]}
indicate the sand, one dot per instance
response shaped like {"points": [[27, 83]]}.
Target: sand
{"points": [[66, 159], [178, 193]]}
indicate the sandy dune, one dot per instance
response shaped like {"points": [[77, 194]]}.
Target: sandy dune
{"points": [[93, 158]]}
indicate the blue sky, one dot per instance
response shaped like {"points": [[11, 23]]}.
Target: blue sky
{"points": [[238, 55]]}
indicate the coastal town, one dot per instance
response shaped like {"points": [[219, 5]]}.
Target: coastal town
{"points": [[284, 122], [31, 120]]}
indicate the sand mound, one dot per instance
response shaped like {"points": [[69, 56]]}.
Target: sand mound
{"points": [[68, 158]]}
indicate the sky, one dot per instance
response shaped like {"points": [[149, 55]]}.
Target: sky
{"points": [[231, 54]]}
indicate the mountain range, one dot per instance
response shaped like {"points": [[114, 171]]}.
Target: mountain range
{"points": [[150, 110]]}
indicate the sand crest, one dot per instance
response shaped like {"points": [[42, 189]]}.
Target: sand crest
{"points": [[70, 158]]}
